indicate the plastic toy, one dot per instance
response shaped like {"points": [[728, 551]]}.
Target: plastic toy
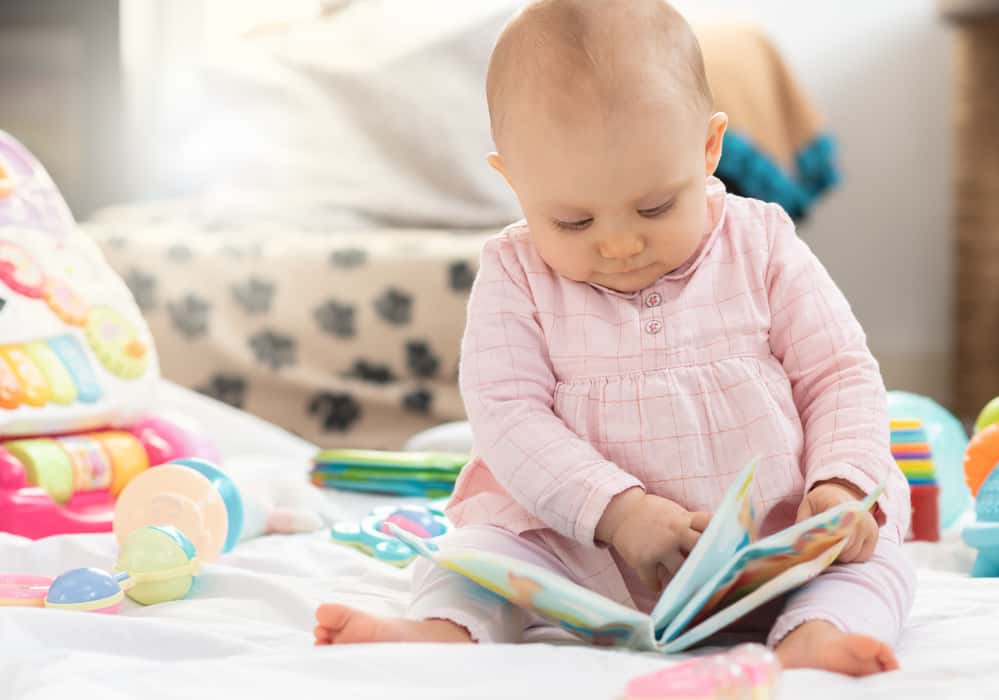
{"points": [[69, 484], [75, 353], [78, 367], [417, 474], [947, 440], [190, 495], [748, 671], [981, 457], [155, 565], [983, 535], [911, 450], [988, 415], [373, 536]]}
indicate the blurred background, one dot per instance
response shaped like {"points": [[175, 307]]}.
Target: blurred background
{"points": [[295, 191]]}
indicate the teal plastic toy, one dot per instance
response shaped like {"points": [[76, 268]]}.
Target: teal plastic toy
{"points": [[983, 535], [948, 441], [374, 537]]}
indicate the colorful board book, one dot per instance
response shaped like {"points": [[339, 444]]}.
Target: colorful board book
{"points": [[730, 572], [910, 447], [416, 474]]}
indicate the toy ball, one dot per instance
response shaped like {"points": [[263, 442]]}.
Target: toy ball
{"points": [[981, 457], [373, 535], [948, 441], [161, 564], [86, 590], [988, 416]]}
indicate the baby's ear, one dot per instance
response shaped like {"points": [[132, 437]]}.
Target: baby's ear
{"points": [[496, 163], [713, 145]]}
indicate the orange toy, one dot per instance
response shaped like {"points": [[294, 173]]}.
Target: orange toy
{"points": [[981, 457]]}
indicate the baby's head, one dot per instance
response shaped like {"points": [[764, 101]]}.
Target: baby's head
{"points": [[602, 119]]}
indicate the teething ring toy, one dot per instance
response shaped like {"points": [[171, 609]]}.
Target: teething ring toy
{"points": [[373, 535]]}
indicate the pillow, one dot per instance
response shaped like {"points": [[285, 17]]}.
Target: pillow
{"points": [[375, 113]]}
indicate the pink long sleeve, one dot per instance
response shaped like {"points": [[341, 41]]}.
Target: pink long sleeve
{"points": [[508, 387], [835, 382]]}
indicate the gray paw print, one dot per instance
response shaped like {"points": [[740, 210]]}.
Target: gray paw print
{"points": [[228, 388], [348, 258], [460, 276], [179, 253], [336, 411], [395, 306], [143, 288], [371, 372], [254, 295], [418, 401], [190, 315], [273, 349], [421, 359], [336, 319]]}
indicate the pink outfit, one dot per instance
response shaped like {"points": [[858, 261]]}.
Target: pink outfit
{"points": [[576, 393]]}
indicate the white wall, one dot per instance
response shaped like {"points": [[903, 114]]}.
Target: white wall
{"points": [[880, 72]]}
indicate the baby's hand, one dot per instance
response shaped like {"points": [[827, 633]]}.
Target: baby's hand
{"points": [[653, 535], [828, 494]]}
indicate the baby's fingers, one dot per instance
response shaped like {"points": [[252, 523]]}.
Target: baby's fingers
{"points": [[851, 550], [688, 539], [869, 532], [672, 560], [699, 521]]}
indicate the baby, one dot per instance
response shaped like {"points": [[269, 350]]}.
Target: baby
{"points": [[636, 341]]}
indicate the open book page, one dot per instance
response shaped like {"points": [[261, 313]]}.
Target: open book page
{"points": [[731, 527], [792, 578], [767, 560], [579, 610]]}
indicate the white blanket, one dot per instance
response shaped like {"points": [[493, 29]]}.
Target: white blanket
{"points": [[246, 629]]}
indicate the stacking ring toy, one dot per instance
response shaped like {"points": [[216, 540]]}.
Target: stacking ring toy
{"points": [[189, 494], [374, 537]]}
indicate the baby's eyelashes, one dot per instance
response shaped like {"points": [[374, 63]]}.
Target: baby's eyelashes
{"points": [[579, 225], [657, 211]]}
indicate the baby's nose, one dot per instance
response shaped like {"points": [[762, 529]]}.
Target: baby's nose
{"points": [[622, 247]]}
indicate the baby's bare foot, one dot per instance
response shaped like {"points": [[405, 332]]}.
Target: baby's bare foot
{"points": [[339, 624], [819, 644]]}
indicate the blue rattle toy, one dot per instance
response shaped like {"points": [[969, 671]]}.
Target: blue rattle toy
{"points": [[155, 565], [374, 537]]}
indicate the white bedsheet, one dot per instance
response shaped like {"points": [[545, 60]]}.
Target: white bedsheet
{"points": [[246, 629]]}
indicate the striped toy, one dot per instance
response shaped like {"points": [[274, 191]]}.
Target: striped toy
{"points": [[911, 450]]}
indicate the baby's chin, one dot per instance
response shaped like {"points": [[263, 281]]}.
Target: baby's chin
{"points": [[631, 282]]}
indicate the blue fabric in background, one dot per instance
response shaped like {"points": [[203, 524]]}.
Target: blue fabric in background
{"points": [[749, 172]]}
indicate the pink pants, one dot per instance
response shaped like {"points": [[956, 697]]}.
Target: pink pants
{"points": [[873, 598]]}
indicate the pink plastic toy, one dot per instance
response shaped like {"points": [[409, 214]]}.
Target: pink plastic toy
{"points": [[68, 484], [23, 590], [78, 367], [747, 672]]}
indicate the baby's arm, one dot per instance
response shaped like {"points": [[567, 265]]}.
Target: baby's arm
{"points": [[837, 387], [508, 386]]}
